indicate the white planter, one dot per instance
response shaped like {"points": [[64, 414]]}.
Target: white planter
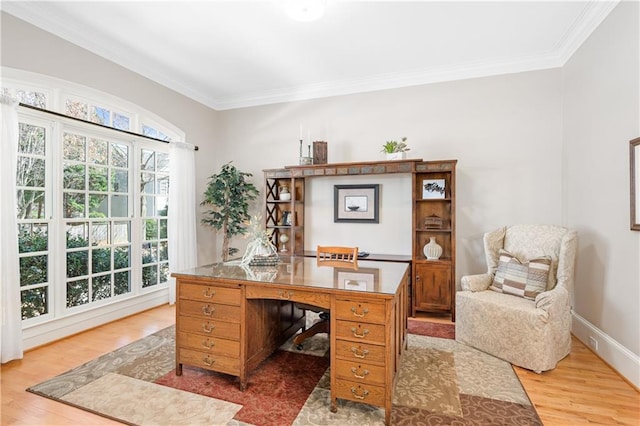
{"points": [[396, 155]]}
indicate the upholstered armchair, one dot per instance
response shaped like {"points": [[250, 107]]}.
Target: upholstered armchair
{"points": [[519, 310]]}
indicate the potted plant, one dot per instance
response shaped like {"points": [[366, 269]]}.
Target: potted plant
{"points": [[228, 194], [395, 150]]}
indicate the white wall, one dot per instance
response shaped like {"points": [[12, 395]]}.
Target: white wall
{"points": [[601, 114], [504, 131]]}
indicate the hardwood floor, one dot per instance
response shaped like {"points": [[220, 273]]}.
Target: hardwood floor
{"points": [[581, 390]]}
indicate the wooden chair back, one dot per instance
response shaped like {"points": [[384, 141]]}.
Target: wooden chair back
{"points": [[346, 257]]}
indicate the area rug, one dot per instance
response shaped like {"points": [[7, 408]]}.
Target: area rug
{"points": [[440, 382]]}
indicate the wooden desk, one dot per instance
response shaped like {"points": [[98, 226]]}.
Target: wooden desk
{"points": [[229, 319]]}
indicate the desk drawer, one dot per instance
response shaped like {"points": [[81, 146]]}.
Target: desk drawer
{"points": [[212, 345], [360, 332], [362, 352], [359, 392], [210, 293], [352, 310], [210, 310], [359, 372], [209, 361], [211, 328], [289, 294]]}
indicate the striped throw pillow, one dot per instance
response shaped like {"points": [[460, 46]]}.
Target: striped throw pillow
{"points": [[521, 279]]}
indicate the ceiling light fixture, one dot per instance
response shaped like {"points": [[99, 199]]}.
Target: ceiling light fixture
{"points": [[304, 10]]}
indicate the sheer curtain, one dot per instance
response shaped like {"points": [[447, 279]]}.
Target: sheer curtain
{"points": [[11, 317], [182, 211]]}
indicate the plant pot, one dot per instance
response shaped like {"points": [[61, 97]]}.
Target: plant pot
{"points": [[396, 155]]}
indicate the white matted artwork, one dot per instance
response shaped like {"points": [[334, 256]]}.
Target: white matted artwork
{"points": [[364, 279], [433, 189], [356, 203]]}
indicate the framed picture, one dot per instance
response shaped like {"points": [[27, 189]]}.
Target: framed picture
{"points": [[364, 279], [355, 203], [634, 173], [433, 189]]}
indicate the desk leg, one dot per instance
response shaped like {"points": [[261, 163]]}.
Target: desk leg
{"points": [[334, 406], [387, 414], [179, 369]]}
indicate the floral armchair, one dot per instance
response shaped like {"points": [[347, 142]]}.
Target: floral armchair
{"points": [[519, 310]]}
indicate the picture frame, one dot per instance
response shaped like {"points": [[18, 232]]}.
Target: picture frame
{"points": [[286, 218], [634, 175], [356, 203], [364, 279], [434, 189]]}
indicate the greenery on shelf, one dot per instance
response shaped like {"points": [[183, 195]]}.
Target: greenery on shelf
{"points": [[228, 195], [394, 146]]}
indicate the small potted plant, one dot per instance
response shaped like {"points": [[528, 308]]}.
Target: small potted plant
{"points": [[395, 150]]}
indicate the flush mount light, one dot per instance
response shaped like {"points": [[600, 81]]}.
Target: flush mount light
{"points": [[304, 10]]}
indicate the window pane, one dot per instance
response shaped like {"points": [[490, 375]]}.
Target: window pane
{"points": [[32, 139], [147, 183], [74, 204], [121, 232], [161, 205], [34, 302], [164, 251], [77, 234], [77, 263], [98, 206], [76, 109], [119, 206], [98, 151], [150, 229], [30, 204], [149, 131], [163, 162], [149, 253], [33, 270], [100, 234], [102, 287], [121, 121], [36, 99], [121, 284], [77, 293], [100, 115], [163, 184], [30, 172], [100, 260], [148, 159], [164, 272], [149, 276], [121, 257], [119, 155], [98, 179], [163, 228], [147, 206], [119, 181], [74, 177], [32, 237], [74, 147]]}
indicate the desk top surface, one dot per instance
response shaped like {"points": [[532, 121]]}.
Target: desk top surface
{"points": [[371, 276]]}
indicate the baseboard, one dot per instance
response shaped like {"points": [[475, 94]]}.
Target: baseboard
{"points": [[618, 357], [50, 331]]}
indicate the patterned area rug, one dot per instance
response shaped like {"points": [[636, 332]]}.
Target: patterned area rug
{"points": [[440, 382]]}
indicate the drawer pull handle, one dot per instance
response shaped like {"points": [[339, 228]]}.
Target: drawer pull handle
{"points": [[208, 328], [361, 336], [208, 293], [365, 311], [355, 394], [286, 295], [364, 374], [208, 310], [362, 354], [208, 361], [208, 344]]}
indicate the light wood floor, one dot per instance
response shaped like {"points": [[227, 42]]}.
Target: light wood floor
{"points": [[581, 390]]}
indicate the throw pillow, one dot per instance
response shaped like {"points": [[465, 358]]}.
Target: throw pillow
{"points": [[521, 279]]}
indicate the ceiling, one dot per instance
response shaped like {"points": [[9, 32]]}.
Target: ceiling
{"points": [[231, 54]]}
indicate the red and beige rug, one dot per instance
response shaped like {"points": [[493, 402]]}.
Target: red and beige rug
{"points": [[440, 382]]}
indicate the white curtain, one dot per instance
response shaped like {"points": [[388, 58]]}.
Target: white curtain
{"points": [[182, 211], [11, 317]]}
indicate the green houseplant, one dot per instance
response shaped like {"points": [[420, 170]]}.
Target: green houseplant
{"points": [[228, 195], [395, 150]]}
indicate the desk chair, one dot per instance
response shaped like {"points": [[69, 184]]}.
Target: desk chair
{"points": [[344, 257]]}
